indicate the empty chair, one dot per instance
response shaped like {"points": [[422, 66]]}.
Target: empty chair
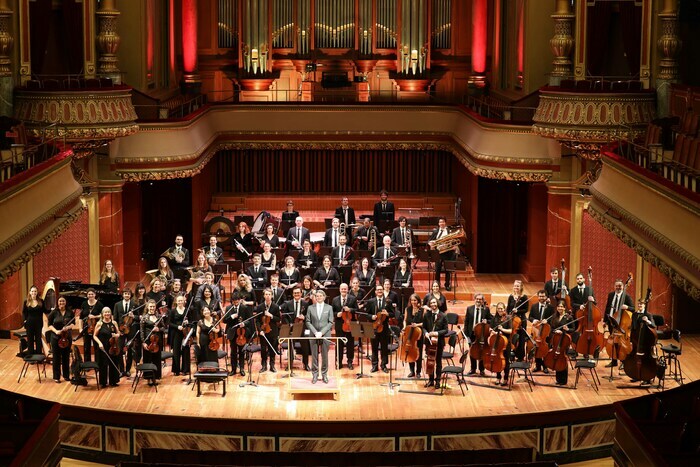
{"points": [[583, 85], [457, 371], [33, 84], [671, 354]]}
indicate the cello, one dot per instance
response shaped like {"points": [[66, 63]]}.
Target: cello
{"points": [[618, 344], [493, 357], [556, 358], [409, 343], [640, 364], [591, 339], [481, 336], [540, 333]]}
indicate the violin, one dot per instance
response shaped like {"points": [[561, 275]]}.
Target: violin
{"points": [[409, 343], [153, 344], [378, 324], [214, 338], [481, 336], [240, 337], [114, 347], [590, 336], [125, 327], [64, 338], [265, 327], [91, 322]]}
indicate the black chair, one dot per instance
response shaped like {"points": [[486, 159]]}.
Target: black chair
{"points": [[521, 369], [164, 357], [589, 365], [457, 371], [221, 353], [84, 367], [146, 371], [33, 359], [662, 331], [671, 354]]}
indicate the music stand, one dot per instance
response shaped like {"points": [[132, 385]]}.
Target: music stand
{"points": [[361, 331], [454, 267], [391, 384]]}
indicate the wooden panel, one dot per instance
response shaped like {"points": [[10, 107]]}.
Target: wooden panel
{"points": [[336, 444], [117, 440], [503, 440], [80, 435], [591, 435]]}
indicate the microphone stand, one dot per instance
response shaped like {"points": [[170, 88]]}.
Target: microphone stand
{"points": [[247, 347]]}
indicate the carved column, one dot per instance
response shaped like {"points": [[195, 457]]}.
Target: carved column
{"points": [[562, 43], [6, 43], [669, 45], [108, 41]]}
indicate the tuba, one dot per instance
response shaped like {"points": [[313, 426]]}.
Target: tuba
{"points": [[450, 241]]}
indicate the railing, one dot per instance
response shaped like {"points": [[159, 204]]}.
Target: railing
{"points": [[25, 154], [493, 108], [172, 108]]}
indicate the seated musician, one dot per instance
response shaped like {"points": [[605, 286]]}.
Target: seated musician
{"points": [[332, 235], [257, 273], [437, 294], [364, 274], [344, 212], [238, 312], [344, 302], [385, 254], [618, 302], [294, 314], [268, 258], [402, 275], [343, 255], [89, 314], [326, 275], [213, 253], [307, 256], [501, 323], [297, 234], [244, 289], [366, 233], [243, 241], [289, 275], [538, 312], [109, 278], [562, 323], [270, 236], [290, 215]]}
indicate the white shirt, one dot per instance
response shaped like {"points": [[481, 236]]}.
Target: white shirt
{"points": [[319, 310]]}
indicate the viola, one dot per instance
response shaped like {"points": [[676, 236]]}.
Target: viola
{"points": [[153, 343], [125, 327], [91, 322], [240, 337], [409, 343], [266, 328], [590, 336], [378, 324], [556, 358], [481, 336], [214, 339], [493, 356], [346, 315], [114, 347]]}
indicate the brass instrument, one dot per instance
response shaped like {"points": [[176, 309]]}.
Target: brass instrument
{"points": [[177, 256], [449, 241], [341, 229], [372, 239], [409, 243]]}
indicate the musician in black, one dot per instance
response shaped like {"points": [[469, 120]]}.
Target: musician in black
{"points": [[270, 236], [448, 255], [294, 314], [152, 332], [437, 294], [435, 328], [268, 258], [501, 323], [365, 274], [307, 256], [365, 234], [205, 326], [213, 253], [553, 286], [209, 280], [297, 234], [413, 317], [400, 234], [289, 274], [106, 329], [348, 303], [561, 322], [277, 291], [326, 275], [402, 275], [331, 238], [385, 255], [207, 301], [343, 255], [394, 298], [618, 302], [33, 317], [60, 319], [268, 339], [344, 213], [290, 214], [237, 313], [129, 311], [109, 278], [540, 312], [257, 273], [517, 303], [376, 306], [179, 326], [355, 289], [383, 211], [178, 257], [477, 313], [89, 314], [243, 241], [581, 294]]}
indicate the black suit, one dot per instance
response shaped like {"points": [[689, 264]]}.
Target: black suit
{"points": [[365, 232], [341, 217], [520, 307], [269, 346], [336, 255], [217, 253], [381, 339], [626, 300], [398, 238], [300, 234], [444, 256], [237, 352], [552, 289], [349, 347], [383, 214], [328, 237], [289, 317], [438, 323], [578, 298], [178, 268], [469, 330], [539, 312], [257, 278], [379, 256]]}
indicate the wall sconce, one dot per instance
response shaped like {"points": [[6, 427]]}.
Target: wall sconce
{"points": [[414, 60]]}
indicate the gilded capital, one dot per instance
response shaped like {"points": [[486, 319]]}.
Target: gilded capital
{"points": [[108, 40], [6, 39], [669, 42], [563, 41]]}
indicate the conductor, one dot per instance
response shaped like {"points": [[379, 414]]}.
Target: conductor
{"points": [[319, 321]]}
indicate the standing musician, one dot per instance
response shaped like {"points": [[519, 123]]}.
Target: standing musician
{"points": [[89, 313], [204, 327], [343, 254], [540, 311], [109, 278], [152, 332], [436, 293], [209, 280], [517, 303], [213, 253], [268, 258], [502, 322], [178, 323], [106, 329], [294, 314], [399, 236], [344, 213], [641, 316], [618, 301], [307, 256], [553, 286], [374, 307], [477, 313], [435, 328], [33, 317], [268, 339], [164, 272], [385, 254], [448, 255], [364, 274], [563, 320], [365, 234], [237, 313], [243, 241], [297, 234], [413, 317], [157, 293], [175, 291], [134, 351], [348, 303], [289, 274], [277, 291], [319, 321], [394, 298], [331, 238], [201, 265], [56, 321], [326, 275], [355, 289], [270, 236], [581, 294], [383, 211], [124, 309], [290, 214], [402, 276], [207, 301], [244, 289], [178, 257], [257, 272]]}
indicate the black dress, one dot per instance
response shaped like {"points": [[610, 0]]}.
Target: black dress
{"points": [[181, 356], [205, 353], [87, 311], [111, 284], [33, 321], [107, 370], [61, 356], [288, 279], [147, 326], [415, 316]]}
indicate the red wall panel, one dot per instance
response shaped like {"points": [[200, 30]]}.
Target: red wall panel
{"points": [[67, 257]]}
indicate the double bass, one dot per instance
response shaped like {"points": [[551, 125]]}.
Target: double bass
{"points": [[591, 339], [563, 292], [640, 364], [618, 344]]}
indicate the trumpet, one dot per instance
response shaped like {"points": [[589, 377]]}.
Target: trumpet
{"points": [[241, 248]]}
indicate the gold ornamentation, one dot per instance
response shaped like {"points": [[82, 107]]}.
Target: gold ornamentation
{"points": [[108, 40], [669, 45], [563, 42], [6, 40]]}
